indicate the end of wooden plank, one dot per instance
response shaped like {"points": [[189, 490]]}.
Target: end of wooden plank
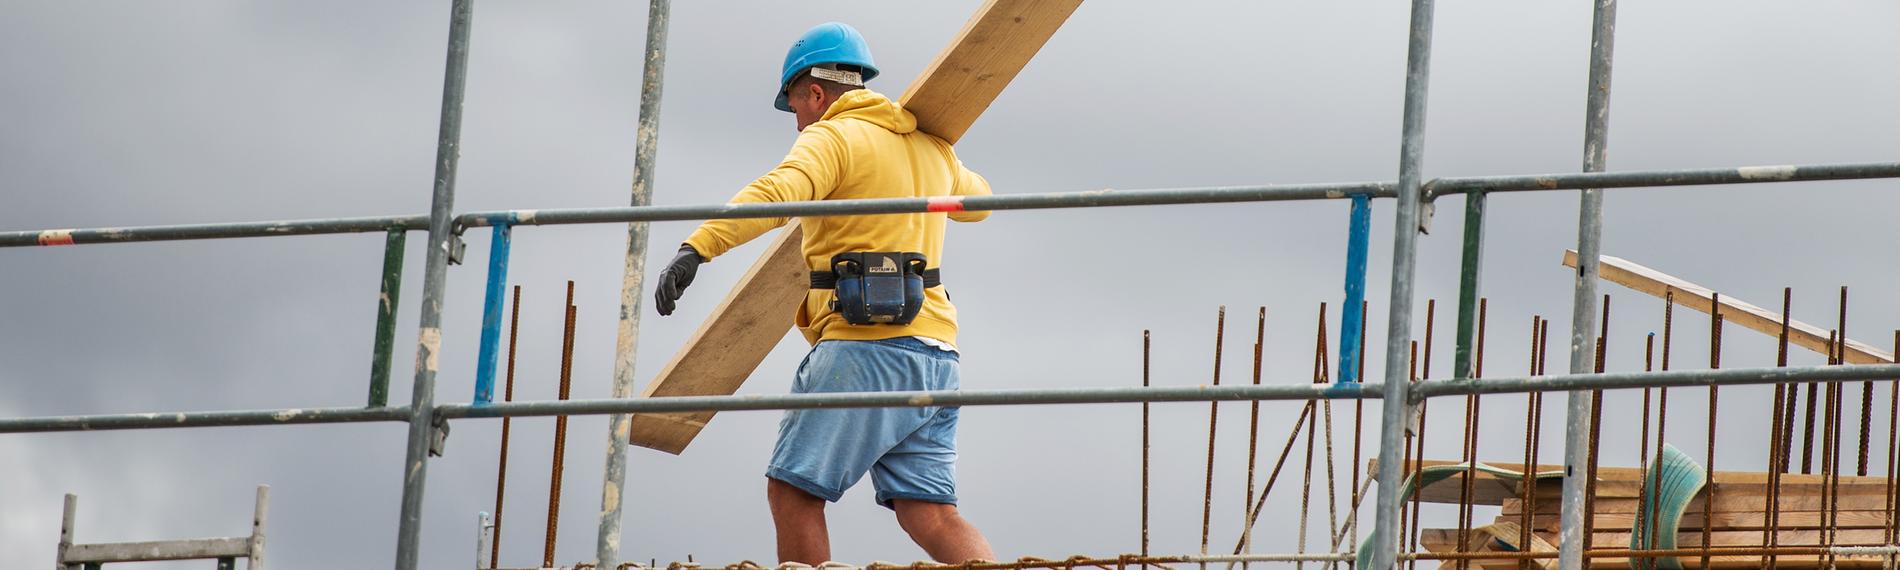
{"points": [[670, 433], [728, 346], [1644, 279], [995, 45]]}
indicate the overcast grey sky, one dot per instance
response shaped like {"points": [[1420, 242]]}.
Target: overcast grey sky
{"points": [[122, 113]]}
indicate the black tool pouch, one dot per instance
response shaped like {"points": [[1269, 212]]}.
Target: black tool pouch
{"points": [[877, 288]]}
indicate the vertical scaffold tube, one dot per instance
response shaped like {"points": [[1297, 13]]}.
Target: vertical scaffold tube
{"points": [[626, 340], [1396, 414], [491, 314], [386, 302], [1584, 304], [1470, 268], [434, 281], [1351, 333]]}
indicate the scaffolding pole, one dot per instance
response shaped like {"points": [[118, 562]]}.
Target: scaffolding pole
{"points": [[627, 338], [1397, 409], [422, 427], [1583, 312]]}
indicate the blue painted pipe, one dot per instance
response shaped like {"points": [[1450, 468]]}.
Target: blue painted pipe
{"points": [[491, 314], [1351, 325]]}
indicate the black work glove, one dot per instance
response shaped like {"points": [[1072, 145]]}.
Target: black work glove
{"points": [[674, 279]]}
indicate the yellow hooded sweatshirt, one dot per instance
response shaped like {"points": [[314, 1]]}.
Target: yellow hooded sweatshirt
{"points": [[865, 146]]}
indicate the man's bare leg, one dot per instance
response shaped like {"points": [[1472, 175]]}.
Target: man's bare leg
{"points": [[800, 519], [941, 531]]}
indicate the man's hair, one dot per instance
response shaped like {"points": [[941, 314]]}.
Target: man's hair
{"points": [[832, 88]]}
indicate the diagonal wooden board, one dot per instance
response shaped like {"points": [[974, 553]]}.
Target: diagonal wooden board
{"points": [[1643, 279], [965, 78]]}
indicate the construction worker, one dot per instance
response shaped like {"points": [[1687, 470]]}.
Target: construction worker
{"points": [[876, 315]]}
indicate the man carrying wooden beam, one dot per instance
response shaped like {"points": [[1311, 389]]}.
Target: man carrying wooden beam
{"points": [[877, 316]]}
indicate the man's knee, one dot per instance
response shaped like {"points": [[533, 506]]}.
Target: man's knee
{"points": [[778, 492], [923, 516]]}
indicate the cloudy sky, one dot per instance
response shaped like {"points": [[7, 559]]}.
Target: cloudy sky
{"points": [[117, 113]]}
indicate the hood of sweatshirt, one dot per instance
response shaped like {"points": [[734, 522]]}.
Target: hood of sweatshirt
{"points": [[871, 107]]}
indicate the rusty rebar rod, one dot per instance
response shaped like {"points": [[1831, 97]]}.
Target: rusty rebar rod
{"points": [[1359, 411], [1409, 507], [1770, 530], [1253, 429], [1260, 502], [1425, 373], [1146, 353], [1893, 446], [1333, 530], [560, 431], [1596, 437], [1866, 396], [1473, 404], [1321, 375], [507, 395], [1540, 353], [1213, 421], [1781, 360], [1715, 363], [1840, 415], [1527, 492], [1830, 422], [1647, 516], [1642, 437]]}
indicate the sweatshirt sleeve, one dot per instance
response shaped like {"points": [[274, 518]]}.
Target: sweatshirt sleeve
{"points": [[809, 172], [969, 183]]}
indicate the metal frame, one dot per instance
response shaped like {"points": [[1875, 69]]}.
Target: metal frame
{"points": [[225, 550], [1414, 196]]}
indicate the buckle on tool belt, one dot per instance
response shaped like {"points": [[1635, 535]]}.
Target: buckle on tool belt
{"points": [[877, 288]]}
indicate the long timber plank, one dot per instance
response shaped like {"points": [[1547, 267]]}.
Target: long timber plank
{"points": [[958, 86], [1608, 473], [1656, 283], [1547, 519], [721, 354]]}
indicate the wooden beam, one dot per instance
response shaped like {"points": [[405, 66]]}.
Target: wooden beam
{"points": [[1613, 474], [1643, 279], [957, 87], [727, 347]]}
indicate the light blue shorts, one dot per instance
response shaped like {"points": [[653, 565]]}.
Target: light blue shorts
{"points": [[911, 453]]}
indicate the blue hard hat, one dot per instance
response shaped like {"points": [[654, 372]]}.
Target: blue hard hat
{"points": [[827, 43]]}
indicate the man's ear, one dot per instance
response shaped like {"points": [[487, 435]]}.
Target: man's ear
{"points": [[817, 92]]}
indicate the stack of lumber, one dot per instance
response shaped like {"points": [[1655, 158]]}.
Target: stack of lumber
{"points": [[1857, 514]]}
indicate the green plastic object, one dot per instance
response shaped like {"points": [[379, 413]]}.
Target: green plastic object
{"points": [[1667, 490], [1433, 475]]}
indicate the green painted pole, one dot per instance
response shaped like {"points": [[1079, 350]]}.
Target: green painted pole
{"points": [[386, 318], [1468, 273]]}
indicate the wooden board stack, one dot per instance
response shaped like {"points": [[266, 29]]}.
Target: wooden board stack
{"points": [[1859, 513]]}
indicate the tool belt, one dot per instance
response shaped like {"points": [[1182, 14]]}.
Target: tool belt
{"points": [[877, 288]]}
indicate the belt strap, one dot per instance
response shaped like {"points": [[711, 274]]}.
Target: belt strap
{"points": [[829, 279]]}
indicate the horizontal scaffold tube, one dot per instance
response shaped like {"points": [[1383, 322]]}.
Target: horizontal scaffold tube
{"points": [[1670, 379], [1087, 199], [1269, 392], [1050, 200], [1662, 178], [913, 399], [204, 419], [213, 231]]}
